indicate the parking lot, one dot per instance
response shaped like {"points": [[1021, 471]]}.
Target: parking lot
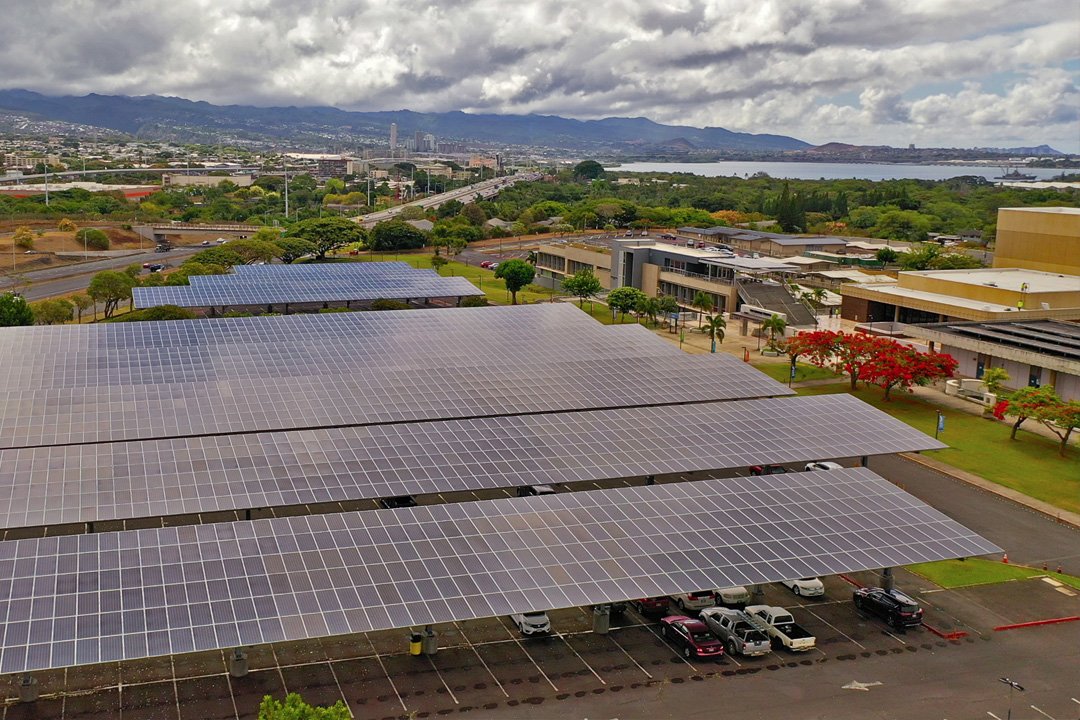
{"points": [[486, 668]]}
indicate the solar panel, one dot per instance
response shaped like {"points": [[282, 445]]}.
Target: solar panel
{"points": [[104, 597], [83, 483], [316, 268]]}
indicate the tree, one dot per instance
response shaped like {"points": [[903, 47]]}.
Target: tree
{"points": [[789, 212], [161, 312], [82, 304], [291, 249], [516, 273], [475, 301], [93, 239], [1030, 402], [53, 311], [887, 256], [668, 305], [384, 304], [582, 285], [588, 170], [624, 299], [328, 233], [702, 302], [714, 327], [909, 225], [110, 287], [474, 214], [648, 308], [438, 261], [994, 379], [1061, 419], [24, 238], [294, 708], [66, 226], [449, 209], [14, 311], [397, 235], [253, 250], [896, 365], [775, 324]]}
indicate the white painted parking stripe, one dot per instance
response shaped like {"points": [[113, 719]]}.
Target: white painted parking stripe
{"points": [[578, 656], [894, 637], [642, 669], [386, 673], [677, 653], [1042, 713], [992, 715], [527, 654], [481, 659], [837, 629], [443, 680]]}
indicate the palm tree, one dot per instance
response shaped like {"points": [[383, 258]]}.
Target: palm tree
{"points": [[531, 259], [649, 308], [714, 328], [819, 295], [702, 303], [775, 324]]}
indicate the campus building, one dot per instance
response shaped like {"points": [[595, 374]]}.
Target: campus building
{"points": [[765, 243], [1039, 238], [206, 180]]}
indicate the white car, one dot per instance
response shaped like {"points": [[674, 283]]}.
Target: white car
{"points": [[695, 601], [532, 623], [733, 596], [805, 587], [823, 465]]}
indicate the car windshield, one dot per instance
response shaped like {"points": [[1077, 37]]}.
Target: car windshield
{"points": [[701, 637], [534, 616]]}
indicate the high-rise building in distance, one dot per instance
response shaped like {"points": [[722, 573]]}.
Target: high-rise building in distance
{"points": [[393, 136]]}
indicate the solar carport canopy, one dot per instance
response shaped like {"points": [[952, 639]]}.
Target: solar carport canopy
{"points": [[84, 599], [210, 377], [84, 483]]}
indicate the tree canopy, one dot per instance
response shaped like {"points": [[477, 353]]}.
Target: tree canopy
{"points": [[14, 311], [516, 273], [111, 287], [396, 235], [588, 170], [583, 285], [327, 234]]}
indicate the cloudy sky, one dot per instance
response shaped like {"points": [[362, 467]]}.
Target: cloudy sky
{"points": [[931, 72]]}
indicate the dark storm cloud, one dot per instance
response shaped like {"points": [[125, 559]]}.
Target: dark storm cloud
{"points": [[788, 66]]}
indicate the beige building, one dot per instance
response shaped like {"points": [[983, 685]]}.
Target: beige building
{"points": [[205, 180], [1044, 238]]}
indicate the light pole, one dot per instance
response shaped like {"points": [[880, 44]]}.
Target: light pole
{"points": [[1013, 685]]}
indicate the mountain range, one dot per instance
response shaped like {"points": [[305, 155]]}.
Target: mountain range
{"points": [[170, 118]]}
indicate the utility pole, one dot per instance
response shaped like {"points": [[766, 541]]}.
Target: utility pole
{"points": [[285, 164]]}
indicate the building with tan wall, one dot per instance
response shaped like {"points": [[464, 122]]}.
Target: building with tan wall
{"points": [[1039, 238], [205, 180]]}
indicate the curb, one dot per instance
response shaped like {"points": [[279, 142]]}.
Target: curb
{"points": [[1037, 623], [1056, 514]]}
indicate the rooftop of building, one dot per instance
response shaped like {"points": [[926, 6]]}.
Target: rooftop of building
{"points": [[1046, 337], [1055, 210], [1006, 279], [893, 290], [752, 265]]}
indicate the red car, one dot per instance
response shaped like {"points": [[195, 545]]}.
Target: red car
{"points": [[692, 636], [487, 263], [651, 605], [768, 470]]}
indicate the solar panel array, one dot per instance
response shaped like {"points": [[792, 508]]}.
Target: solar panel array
{"points": [[85, 483], [1051, 338], [137, 594]]}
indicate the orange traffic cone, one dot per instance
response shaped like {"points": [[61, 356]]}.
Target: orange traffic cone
{"points": [[1005, 558]]}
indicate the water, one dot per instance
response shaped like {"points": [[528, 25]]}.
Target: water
{"points": [[831, 171]]}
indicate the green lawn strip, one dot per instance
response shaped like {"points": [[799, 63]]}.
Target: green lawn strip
{"points": [[1030, 464], [978, 571], [782, 371]]}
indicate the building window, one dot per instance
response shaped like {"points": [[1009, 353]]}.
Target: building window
{"points": [[550, 261], [574, 267], [1035, 377]]}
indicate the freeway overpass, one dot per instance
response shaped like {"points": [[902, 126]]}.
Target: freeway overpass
{"points": [[467, 194]]}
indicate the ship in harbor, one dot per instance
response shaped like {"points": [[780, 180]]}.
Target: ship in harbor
{"points": [[1015, 175]]}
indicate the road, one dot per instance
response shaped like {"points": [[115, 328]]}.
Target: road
{"points": [[466, 194]]}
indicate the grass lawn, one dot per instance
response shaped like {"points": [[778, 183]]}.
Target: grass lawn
{"points": [[1029, 464], [803, 371], [977, 571]]}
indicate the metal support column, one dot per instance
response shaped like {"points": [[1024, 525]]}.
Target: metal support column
{"points": [[865, 460], [431, 641], [601, 619], [28, 688], [888, 582], [238, 664], [650, 479], [757, 595]]}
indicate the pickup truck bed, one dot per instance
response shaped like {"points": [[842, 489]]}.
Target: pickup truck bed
{"points": [[779, 625]]}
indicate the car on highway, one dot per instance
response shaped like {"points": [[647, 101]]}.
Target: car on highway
{"points": [[156, 267], [531, 490], [651, 606], [30, 252], [146, 265], [205, 242], [734, 629], [695, 600], [768, 470], [691, 636], [487, 263], [805, 587], [531, 623], [400, 501], [823, 465], [892, 606]]}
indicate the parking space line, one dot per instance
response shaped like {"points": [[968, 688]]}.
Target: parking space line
{"points": [[1041, 712], [992, 715], [627, 654], [330, 664], [386, 673], [481, 659], [528, 655], [677, 653], [836, 629], [443, 680], [894, 637], [578, 656]]}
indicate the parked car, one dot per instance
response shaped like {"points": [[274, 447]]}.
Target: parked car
{"points": [[629, 233], [892, 606], [651, 606], [805, 587], [400, 501], [531, 623], [691, 636], [735, 630], [695, 601], [768, 470], [616, 607], [823, 465], [530, 490], [779, 625], [733, 596]]}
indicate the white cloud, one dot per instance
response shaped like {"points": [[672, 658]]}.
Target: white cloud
{"points": [[923, 70]]}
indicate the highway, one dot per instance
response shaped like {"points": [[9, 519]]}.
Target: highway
{"points": [[467, 194]]}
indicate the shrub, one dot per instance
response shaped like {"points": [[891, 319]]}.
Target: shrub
{"points": [[66, 226], [24, 238], [382, 304], [161, 312], [335, 310], [475, 301], [93, 239]]}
